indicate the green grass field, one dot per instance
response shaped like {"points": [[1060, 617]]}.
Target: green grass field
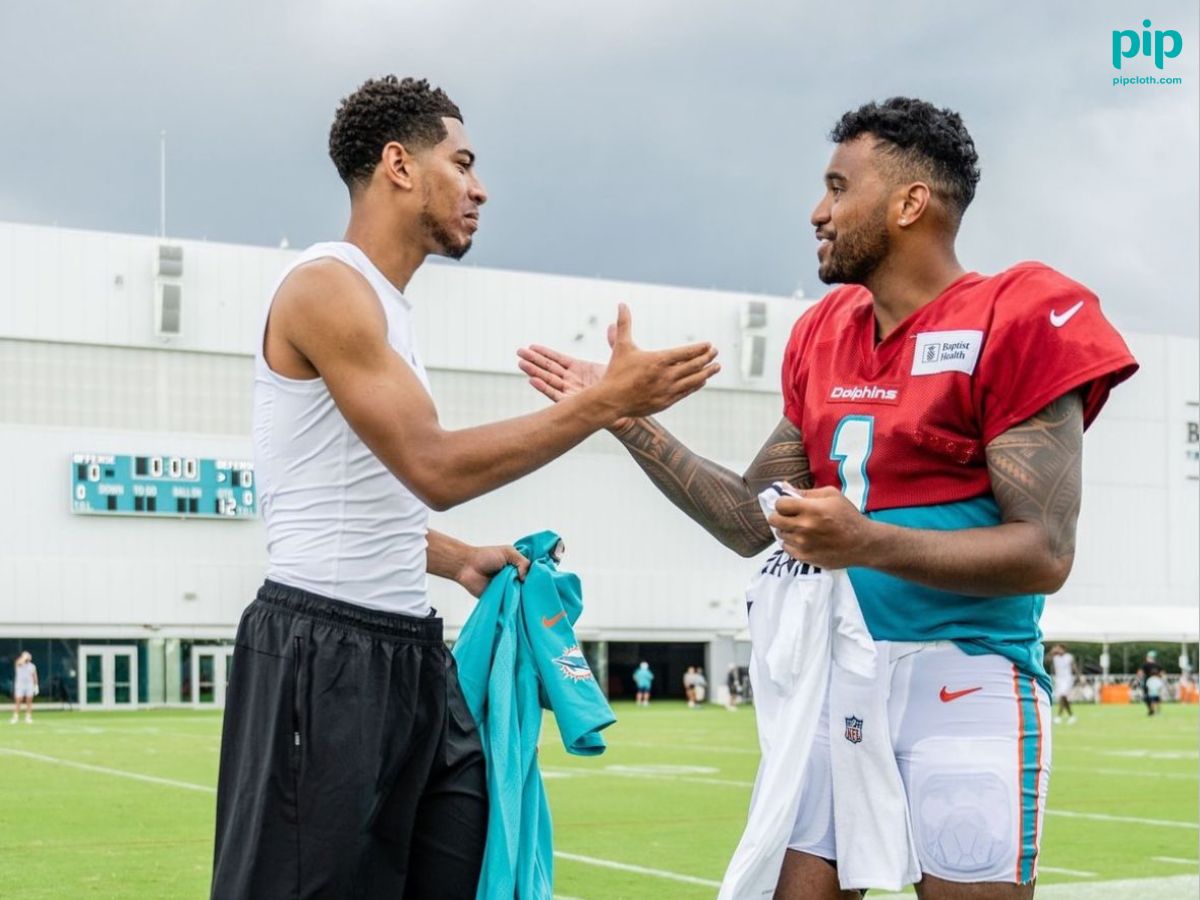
{"points": [[121, 805]]}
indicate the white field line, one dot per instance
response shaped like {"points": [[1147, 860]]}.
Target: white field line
{"points": [[1077, 873], [554, 772], [1132, 820], [1045, 892], [141, 729], [1156, 755], [136, 776], [1173, 886], [637, 870], [697, 748], [1176, 861], [198, 718], [1099, 817], [1127, 773]]}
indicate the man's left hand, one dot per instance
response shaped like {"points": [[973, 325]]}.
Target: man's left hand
{"points": [[822, 527], [483, 563]]}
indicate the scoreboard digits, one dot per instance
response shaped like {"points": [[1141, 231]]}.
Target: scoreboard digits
{"points": [[171, 486]]}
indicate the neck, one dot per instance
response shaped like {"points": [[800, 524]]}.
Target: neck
{"points": [[906, 281], [395, 250]]}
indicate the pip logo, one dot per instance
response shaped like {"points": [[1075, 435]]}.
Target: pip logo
{"points": [[1127, 44]]}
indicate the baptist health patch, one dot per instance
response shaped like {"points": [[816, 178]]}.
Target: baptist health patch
{"points": [[946, 351]]}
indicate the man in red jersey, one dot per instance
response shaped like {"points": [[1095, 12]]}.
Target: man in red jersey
{"points": [[934, 417]]}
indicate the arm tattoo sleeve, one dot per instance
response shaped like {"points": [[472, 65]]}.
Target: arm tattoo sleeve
{"points": [[1036, 471], [724, 503]]}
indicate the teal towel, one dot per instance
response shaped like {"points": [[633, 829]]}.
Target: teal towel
{"points": [[516, 656]]}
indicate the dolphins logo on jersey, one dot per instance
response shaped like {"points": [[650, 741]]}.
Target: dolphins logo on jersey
{"points": [[573, 665], [854, 729]]}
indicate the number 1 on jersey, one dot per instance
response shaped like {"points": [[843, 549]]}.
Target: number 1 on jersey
{"points": [[852, 441]]}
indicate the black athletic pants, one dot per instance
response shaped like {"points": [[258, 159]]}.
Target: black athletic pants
{"points": [[350, 765]]}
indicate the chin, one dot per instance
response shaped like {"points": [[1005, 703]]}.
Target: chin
{"points": [[456, 251]]}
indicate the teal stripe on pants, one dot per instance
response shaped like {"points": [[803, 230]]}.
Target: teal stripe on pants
{"points": [[1031, 751]]}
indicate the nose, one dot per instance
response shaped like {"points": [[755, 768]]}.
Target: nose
{"points": [[477, 192], [820, 213]]}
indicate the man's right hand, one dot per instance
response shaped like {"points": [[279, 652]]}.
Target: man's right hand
{"points": [[635, 382]]}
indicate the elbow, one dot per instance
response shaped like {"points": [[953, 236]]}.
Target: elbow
{"points": [[429, 477], [430, 489], [745, 546], [1053, 574], [435, 494], [438, 503]]}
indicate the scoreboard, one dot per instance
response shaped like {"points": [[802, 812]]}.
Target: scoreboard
{"points": [[168, 486]]}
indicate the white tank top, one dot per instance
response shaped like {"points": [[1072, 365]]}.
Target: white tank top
{"points": [[339, 524]]}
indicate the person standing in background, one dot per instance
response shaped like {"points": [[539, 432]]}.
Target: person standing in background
{"points": [[643, 678], [1150, 674], [1065, 671], [733, 682], [700, 686], [25, 688]]}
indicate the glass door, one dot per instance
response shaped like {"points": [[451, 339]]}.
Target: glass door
{"points": [[91, 673], [108, 676], [211, 665]]}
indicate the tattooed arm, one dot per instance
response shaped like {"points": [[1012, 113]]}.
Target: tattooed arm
{"points": [[1036, 474], [722, 502]]}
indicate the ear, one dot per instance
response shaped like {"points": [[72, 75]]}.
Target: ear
{"points": [[397, 165], [911, 203]]}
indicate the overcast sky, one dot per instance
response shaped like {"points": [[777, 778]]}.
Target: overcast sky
{"points": [[650, 140]]}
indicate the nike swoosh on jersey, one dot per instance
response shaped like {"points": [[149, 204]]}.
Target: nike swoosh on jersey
{"points": [[550, 621], [946, 696], [1058, 320]]}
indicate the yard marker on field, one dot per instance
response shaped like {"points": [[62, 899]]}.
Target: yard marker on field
{"points": [[1132, 820], [136, 776], [637, 870], [1176, 860]]}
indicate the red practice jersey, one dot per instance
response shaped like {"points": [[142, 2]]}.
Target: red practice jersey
{"points": [[904, 422]]}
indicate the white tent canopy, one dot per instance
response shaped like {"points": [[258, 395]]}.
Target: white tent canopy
{"points": [[1114, 624]]}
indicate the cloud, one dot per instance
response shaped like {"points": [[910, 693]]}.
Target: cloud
{"points": [[667, 141]]}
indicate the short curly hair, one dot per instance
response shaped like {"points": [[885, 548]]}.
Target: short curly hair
{"points": [[922, 139], [382, 110]]}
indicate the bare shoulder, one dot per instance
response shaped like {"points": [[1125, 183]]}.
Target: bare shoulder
{"points": [[327, 294], [323, 309]]}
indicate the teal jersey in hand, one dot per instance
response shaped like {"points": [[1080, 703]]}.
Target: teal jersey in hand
{"points": [[516, 656]]}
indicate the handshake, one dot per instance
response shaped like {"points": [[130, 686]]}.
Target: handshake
{"points": [[634, 383]]}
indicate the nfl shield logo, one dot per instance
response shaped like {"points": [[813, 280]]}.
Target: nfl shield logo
{"points": [[854, 730]]}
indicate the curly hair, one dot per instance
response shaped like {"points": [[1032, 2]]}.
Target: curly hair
{"points": [[920, 138], [382, 110]]}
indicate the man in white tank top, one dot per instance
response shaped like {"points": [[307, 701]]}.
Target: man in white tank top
{"points": [[350, 766]]}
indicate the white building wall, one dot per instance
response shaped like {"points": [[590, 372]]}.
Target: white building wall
{"points": [[1138, 541], [115, 576], [81, 371]]}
